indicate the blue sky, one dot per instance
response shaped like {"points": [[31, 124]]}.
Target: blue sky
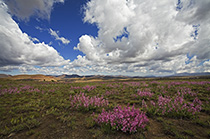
{"points": [[119, 37], [65, 18]]}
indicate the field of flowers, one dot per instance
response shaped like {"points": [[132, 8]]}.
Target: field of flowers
{"points": [[111, 109]]}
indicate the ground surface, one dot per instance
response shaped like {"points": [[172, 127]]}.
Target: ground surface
{"points": [[32, 109]]}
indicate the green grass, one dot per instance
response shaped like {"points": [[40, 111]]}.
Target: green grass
{"points": [[48, 114]]}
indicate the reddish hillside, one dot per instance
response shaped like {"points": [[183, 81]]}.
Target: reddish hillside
{"points": [[39, 77]]}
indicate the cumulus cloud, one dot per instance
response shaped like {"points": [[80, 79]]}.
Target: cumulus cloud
{"points": [[151, 36], [135, 37], [55, 34], [23, 9], [17, 48]]}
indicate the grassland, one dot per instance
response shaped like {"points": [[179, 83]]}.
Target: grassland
{"points": [[34, 109]]}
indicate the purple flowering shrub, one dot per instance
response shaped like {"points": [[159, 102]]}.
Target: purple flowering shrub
{"points": [[16, 90], [143, 94], [84, 102], [186, 93], [111, 92], [126, 119], [89, 88], [174, 106]]}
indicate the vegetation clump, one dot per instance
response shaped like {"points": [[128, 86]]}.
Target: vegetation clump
{"points": [[126, 119]]}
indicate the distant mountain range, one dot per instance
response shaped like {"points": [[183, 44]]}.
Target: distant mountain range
{"points": [[65, 76], [87, 77], [68, 76]]}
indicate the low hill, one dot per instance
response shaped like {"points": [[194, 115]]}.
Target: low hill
{"points": [[4, 76], [38, 77]]}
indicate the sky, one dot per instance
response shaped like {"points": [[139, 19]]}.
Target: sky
{"points": [[104, 37]]}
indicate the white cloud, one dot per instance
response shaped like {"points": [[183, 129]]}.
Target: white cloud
{"points": [[81, 61], [17, 48], [207, 66], [39, 28], [155, 36], [135, 37], [23, 9], [55, 34], [33, 39]]}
